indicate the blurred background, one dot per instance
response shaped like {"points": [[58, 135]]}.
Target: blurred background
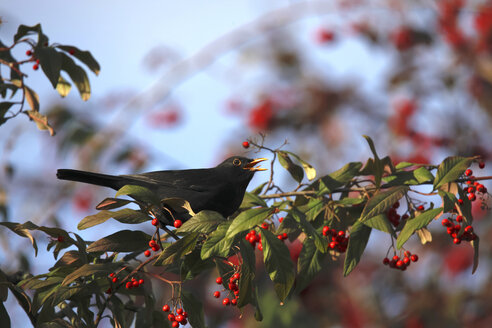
{"points": [[182, 84]]}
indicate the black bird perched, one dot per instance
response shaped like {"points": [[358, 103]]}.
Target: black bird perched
{"points": [[219, 189]]}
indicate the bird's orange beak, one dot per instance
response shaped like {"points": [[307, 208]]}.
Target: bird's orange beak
{"points": [[251, 165]]}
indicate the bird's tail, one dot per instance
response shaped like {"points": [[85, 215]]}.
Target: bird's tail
{"points": [[99, 179]]}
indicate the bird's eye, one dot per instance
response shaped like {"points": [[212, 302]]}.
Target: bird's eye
{"points": [[236, 162]]}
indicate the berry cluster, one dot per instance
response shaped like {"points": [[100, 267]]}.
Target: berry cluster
{"points": [[177, 317], [133, 283], [154, 246], [401, 263], [252, 237], [456, 231], [396, 218], [233, 289], [177, 223], [474, 187], [339, 241]]}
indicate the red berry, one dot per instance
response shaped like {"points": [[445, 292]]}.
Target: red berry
{"points": [[226, 301], [406, 260], [414, 257], [333, 244], [260, 247], [108, 291], [396, 258], [152, 243], [236, 276], [171, 317], [280, 237], [234, 301], [175, 324], [264, 225], [155, 222], [165, 308], [140, 281], [460, 201], [386, 261], [280, 219], [37, 61], [457, 240], [71, 51], [156, 247], [459, 218], [252, 239], [472, 197], [480, 188], [35, 67], [468, 172], [179, 311], [135, 283], [178, 223], [400, 264], [115, 279], [341, 233], [28, 53], [446, 222], [147, 253], [481, 165], [285, 236], [111, 274], [179, 318], [324, 36], [129, 285], [420, 208], [185, 314], [407, 254], [219, 280], [245, 144], [217, 294], [469, 229]]}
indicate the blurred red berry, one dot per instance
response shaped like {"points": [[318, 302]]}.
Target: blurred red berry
{"points": [[217, 294], [178, 223], [468, 172], [245, 144], [166, 308], [219, 280], [226, 301], [155, 222]]}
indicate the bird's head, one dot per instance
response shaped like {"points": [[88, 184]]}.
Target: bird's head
{"points": [[242, 167]]}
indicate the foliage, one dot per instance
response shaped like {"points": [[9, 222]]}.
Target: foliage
{"points": [[350, 199]]}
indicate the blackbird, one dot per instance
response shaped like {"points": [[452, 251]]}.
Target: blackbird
{"points": [[219, 189]]}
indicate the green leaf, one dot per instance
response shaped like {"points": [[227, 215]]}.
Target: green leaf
{"points": [[178, 249], [252, 200], [50, 61], [359, 236], [121, 241], [416, 223], [23, 231], [246, 281], [295, 170], [194, 308], [99, 269], [217, 243], [24, 30], [378, 165], [204, 222], [423, 175], [311, 233], [475, 243], [278, 264], [112, 203], [193, 265], [308, 168], [248, 219], [77, 75], [337, 179], [451, 169], [404, 165], [448, 200], [466, 206], [4, 108], [381, 201], [84, 56], [309, 264], [63, 87], [381, 223], [125, 215], [139, 193], [313, 208]]}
